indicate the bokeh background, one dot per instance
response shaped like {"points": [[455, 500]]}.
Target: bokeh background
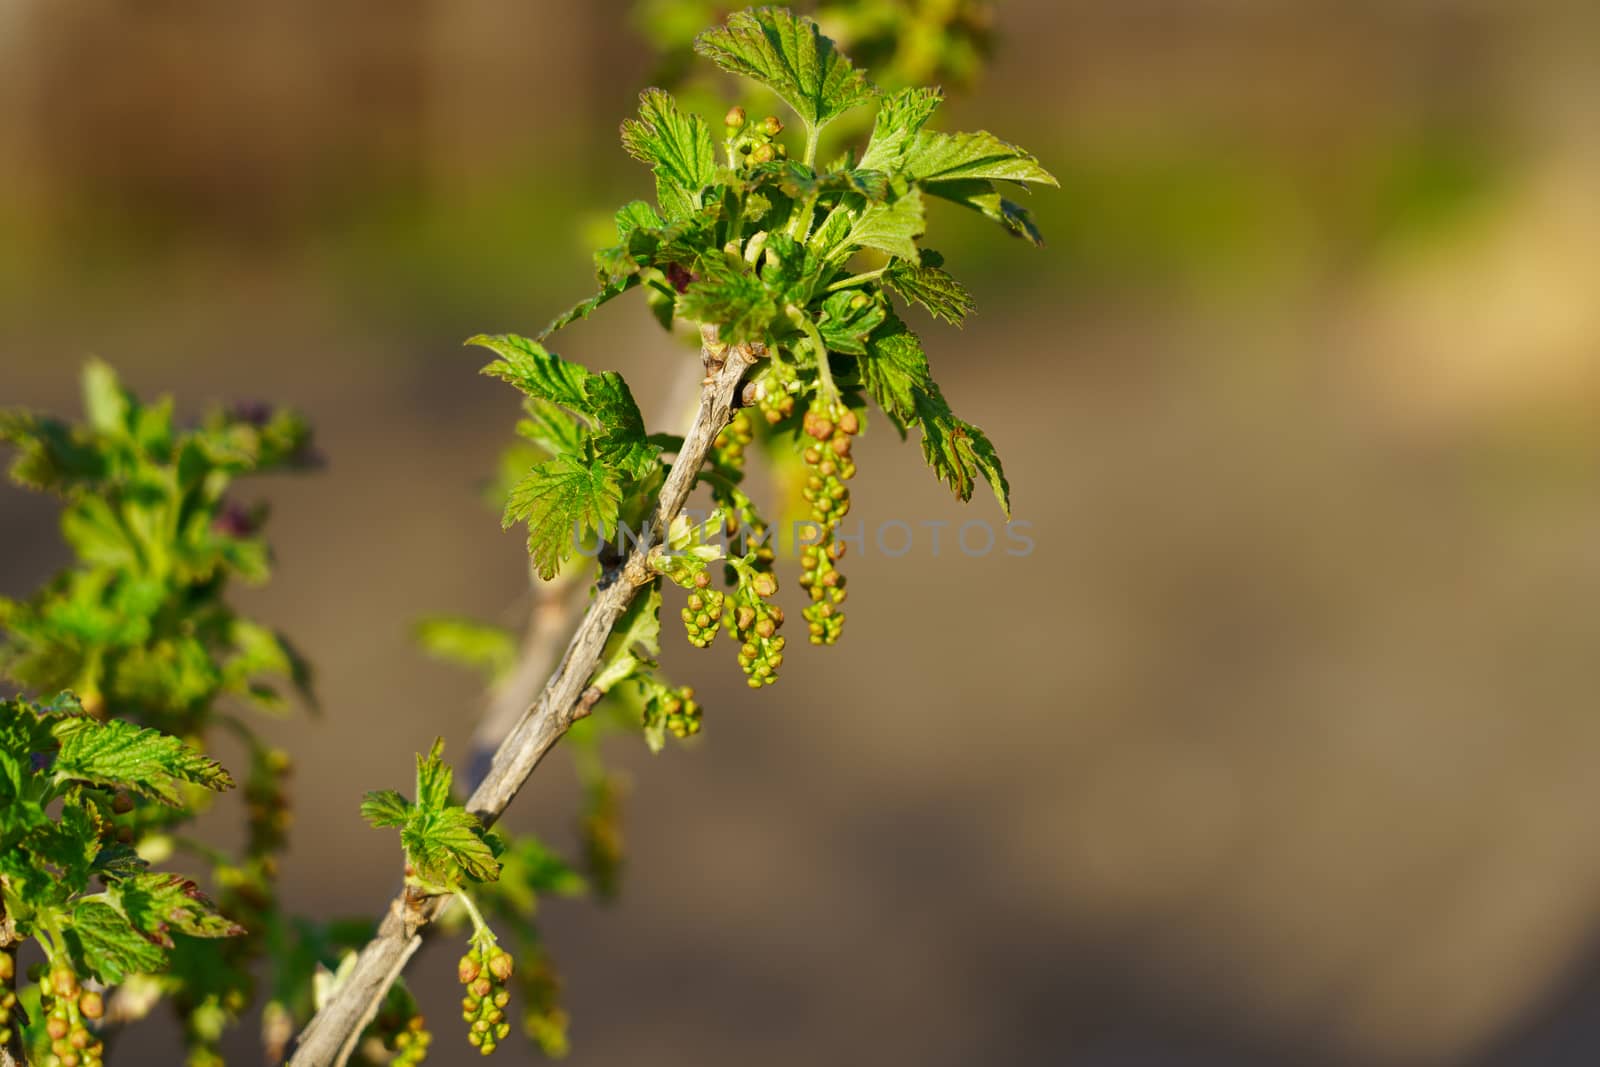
{"points": [[1280, 749]]}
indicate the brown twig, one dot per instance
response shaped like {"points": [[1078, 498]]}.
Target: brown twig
{"points": [[334, 1032]]}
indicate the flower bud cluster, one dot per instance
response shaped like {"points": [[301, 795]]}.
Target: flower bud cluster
{"points": [[753, 620], [675, 708], [68, 1008], [484, 971], [755, 141], [827, 456]]}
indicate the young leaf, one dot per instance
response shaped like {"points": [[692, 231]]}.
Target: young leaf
{"points": [[385, 807], [895, 371], [107, 404], [891, 228], [118, 754], [604, 399], [931, 286], [434, 778], [935, 157], [539, 373], [560, 499], [900, 117], [443, 841], [845, 326], [446, 842], [624, 444], [677, 146], [106, 945], [790, 56], [157, 903], [51, 455], [731, 297]]}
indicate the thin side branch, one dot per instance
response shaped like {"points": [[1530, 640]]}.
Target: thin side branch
{"points": [[333, 1034]]}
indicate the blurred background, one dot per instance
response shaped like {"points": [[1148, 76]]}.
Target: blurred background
{"points": [[1279, 749]]}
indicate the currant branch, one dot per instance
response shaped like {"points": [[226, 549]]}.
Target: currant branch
{"points": [[332, 1036]]}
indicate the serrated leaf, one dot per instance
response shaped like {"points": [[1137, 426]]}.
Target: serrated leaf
{"points": [[533, 369], [931, 286], [434, 779], [447, 840], [624, 445], [385, 807], [935, 157], [846, 324], [118, 754], [158, 903], [106, 945], [891, 227], [644, 246], [795, 270], [959, 452], [895, 371], [677, 145], [637, 215], [69, 845], [981, 196], [51, 455], [900, 116], [790, 56], [733, 298], [560, 499]]}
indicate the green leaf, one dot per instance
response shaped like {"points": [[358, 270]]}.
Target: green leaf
{"points": [[109, 407], [434, 778], [959, 452], [901, 115], [539, 373], [731, 297], [106, 945], [981, 196], [895, 371], [677, 145], [70, 845], [443, 841], [892, 227], [845, 326], [937, 157], [491, 649], [624, 445], [790, 56], [560, 499], [158, 903], [795, 270], [931, 286], [446, 842], [385, 807], [635, 643], [51, 455], [118, 754]]}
